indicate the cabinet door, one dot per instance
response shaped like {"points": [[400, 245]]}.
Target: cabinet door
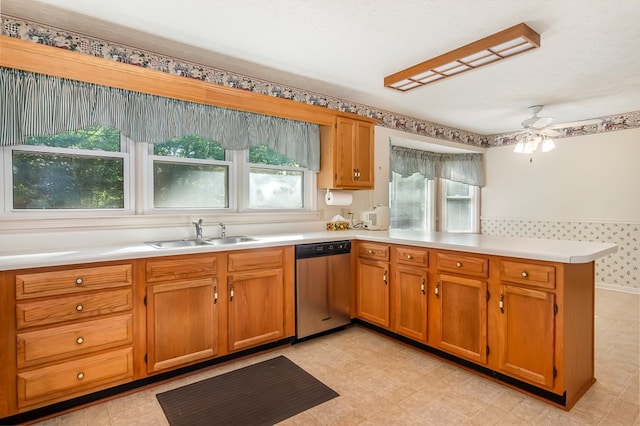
{"points": [[410, 304], [345, 160], [463, 316], [182, 322], [373, 292], [526, 334], [256, 308], [363, 154]]}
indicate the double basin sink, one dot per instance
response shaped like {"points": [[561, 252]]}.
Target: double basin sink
{"points": [[236, 239]]}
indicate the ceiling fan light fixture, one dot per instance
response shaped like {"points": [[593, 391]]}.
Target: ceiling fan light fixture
{"points": [[504, 44], [548, 144]]}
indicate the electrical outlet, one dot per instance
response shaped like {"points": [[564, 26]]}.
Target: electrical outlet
{"points": [[346, 213]]}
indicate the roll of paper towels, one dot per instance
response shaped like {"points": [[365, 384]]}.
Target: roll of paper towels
{"points": [[338, 198]]}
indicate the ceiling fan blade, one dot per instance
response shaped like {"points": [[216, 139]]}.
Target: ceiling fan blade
{"points": [[576, 123], [542, 122], [550, 132]]}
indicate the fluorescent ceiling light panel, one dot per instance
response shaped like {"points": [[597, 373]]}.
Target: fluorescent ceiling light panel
{"points": [[510, 42]]}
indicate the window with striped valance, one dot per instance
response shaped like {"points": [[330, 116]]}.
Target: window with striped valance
{"points": [[463, 168], [38, 105]]}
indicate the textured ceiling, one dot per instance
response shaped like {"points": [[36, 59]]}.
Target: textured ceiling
{"points": [[588, 65]]}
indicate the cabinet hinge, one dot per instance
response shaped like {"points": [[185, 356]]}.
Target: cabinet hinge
{"points": [[145, 358], [555, 309], [488, 350], [555, 373], [145, 300], [488, 295]]}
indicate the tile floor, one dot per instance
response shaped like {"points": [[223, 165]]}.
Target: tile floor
{"points": [[381, 382]]}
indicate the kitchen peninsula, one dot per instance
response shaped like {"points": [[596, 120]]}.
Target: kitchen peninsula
{"points": [[79, 321]]}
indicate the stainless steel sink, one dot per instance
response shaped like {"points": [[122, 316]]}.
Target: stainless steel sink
{"points": [[236, 239], [200, 242]]}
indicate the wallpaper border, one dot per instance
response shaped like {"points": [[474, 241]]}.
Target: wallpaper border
{"points": [[57, 37]]}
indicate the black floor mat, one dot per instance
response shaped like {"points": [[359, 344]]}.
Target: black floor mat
{"points": [[260, 394]]}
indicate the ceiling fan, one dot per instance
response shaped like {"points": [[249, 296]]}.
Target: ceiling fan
{"points": [[539, 132], [536, 130]]}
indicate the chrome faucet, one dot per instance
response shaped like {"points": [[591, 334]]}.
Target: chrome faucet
{"points": [[223, 230], [198, 225]]}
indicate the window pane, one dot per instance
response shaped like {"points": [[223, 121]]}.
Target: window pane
{"points": [[56, 181], [190, 185], [457, 189], [273, 188], [409, 202], [94, 138], [262, 154], [458, 215], [190, 147]]}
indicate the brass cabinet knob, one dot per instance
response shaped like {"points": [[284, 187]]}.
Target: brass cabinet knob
{"points": [[79, 340], [459, 264], [80, 376], [524, 274], [79, 308], [79, 281]]}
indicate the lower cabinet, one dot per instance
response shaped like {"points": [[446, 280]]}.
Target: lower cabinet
{"points": [[527, 330], [182, 311], [409, 288], [373, 294], [260, 297], [461, 316]]}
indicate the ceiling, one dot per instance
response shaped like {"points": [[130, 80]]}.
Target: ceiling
{"points": [[588, 65]]}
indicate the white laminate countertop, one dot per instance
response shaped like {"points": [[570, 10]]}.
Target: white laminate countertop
{"points": [[526, 248]]}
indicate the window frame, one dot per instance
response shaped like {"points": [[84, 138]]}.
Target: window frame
{"points": [[437, 210], [474, 197], [126, 153]]}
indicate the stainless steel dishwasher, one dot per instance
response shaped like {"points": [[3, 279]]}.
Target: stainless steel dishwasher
{"points": [[323, 287]]}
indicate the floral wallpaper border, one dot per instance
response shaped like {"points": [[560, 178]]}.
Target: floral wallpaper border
{"points": [[619, 270], [50, 36]]}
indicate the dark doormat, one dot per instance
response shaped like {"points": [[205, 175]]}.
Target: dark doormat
{"points": [[260, 394]]}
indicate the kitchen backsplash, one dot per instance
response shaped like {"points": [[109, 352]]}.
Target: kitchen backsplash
{"points": [[620, 270]]}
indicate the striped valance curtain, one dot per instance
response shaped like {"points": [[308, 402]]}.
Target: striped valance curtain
{"points": [[39, 105], [464, 168]]}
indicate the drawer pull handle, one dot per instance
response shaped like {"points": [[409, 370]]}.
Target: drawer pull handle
{"points": [[79, 308], [437, 290], [79, 340], [501, 303], [370, 251], [384, 277], [459, 264], [422, 286], [79, 281], [524, 274], [80, 376], [409, 256]]}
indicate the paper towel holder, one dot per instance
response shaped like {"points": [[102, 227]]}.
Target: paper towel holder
{"points": [[343, 199]]}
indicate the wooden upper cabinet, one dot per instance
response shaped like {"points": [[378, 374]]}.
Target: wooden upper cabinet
{"points": [[346, 155]]}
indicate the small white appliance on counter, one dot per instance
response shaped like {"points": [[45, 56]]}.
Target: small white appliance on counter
{"points": [[377, 219]]}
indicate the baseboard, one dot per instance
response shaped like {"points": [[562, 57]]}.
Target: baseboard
{"points": [[620, 288]]}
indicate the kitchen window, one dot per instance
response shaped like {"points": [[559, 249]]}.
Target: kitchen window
{"points": [[433, 191], [189, 173], [72, 172], [85, 171], [414, 201]]}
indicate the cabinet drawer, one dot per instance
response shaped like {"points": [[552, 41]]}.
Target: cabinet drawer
{"points": [[67, 379], [175, 269], [532, 274], [373, 251], [461, 264], [72, 281], [263, 259], [80, 306], [412, 256], [74, 339]]}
